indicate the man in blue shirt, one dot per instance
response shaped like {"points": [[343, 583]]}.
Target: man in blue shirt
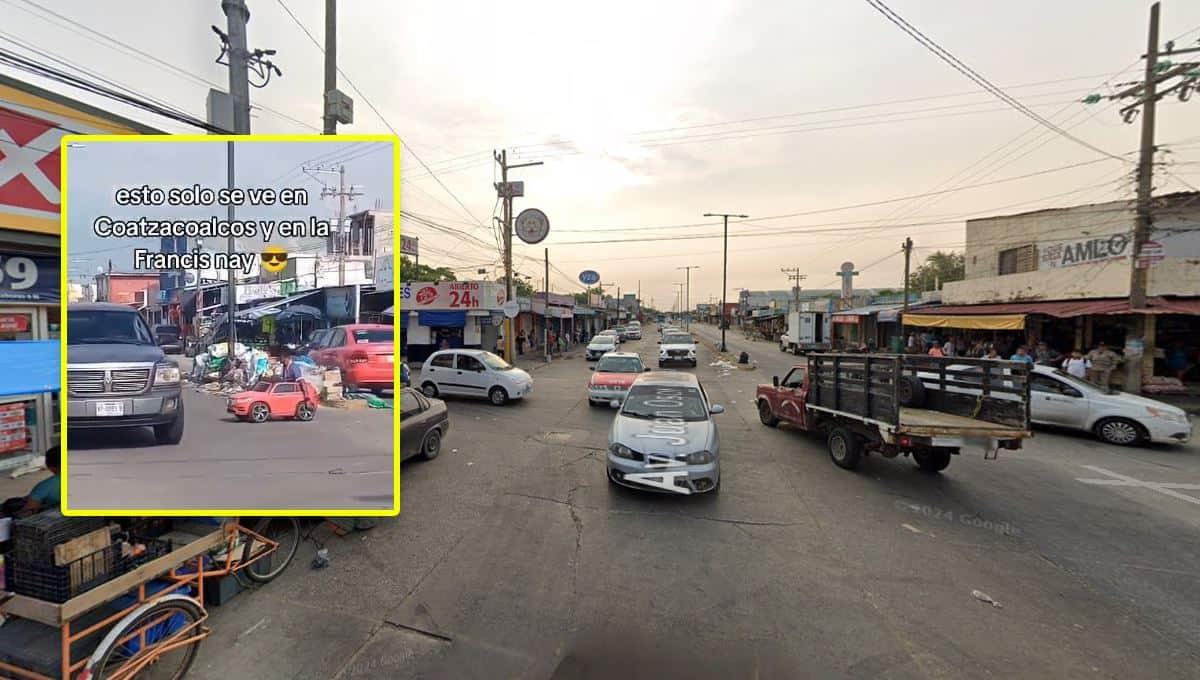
{"points": [[45, 495], [291, 370], [1022, 355]]}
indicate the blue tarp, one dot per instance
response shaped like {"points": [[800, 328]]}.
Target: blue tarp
{"points": [[447, 319], [29, 367]]}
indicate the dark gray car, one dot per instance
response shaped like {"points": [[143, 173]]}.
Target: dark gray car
{"points": [[424, 422], [117, 375]]}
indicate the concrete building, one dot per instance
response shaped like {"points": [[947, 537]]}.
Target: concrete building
{"points": [[1063, 276]]}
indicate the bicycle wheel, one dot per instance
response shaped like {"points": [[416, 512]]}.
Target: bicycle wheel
{"points": [[155, 627], [285, 531]]}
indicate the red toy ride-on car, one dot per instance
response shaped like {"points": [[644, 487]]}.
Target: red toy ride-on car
{"points": [[268, 400]]}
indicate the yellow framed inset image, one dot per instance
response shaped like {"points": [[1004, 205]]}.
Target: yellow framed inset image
{"points": [[228, 347]]}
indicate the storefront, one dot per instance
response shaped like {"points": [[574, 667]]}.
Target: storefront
{"points": [[862, 326], [29, 350], [449, 314]]}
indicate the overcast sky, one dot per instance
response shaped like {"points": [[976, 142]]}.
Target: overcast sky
{"points": [[649, 114], [97, 169]]}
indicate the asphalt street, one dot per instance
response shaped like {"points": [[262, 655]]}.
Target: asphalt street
{"points": [[341, 459], [513, 557]]}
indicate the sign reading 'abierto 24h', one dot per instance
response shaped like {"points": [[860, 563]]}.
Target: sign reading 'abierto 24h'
{"points": [[1086, 250]]}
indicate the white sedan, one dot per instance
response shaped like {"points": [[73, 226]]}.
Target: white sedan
{"points": [[1062, 400]]}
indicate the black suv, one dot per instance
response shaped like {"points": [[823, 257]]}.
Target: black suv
{"points": [[117, 375], [168, 337]]}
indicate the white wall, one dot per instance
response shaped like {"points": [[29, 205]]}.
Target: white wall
{"points": [[418, 334], [1177, 274]]}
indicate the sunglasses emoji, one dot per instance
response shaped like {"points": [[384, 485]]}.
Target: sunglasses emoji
{"points": [[274, 259]]}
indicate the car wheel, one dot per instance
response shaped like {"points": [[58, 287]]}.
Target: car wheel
{"points": [[259, 412], [498, 396], [1120, 431], [693, 363], [430, 390], [932, 460], [845, 448], [910, 391], [661, 364], [305, 411], [592, 402], [171, 433], [766, 415], [432, 445]]}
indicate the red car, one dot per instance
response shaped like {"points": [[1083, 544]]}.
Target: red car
{"points": [[365, 353], [268, 400], [615, 372]]}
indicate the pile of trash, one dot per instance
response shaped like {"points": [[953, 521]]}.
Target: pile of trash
{"points": [[1157, 384]]}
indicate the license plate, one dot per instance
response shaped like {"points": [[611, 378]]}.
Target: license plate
{"points": [[109, 408]]}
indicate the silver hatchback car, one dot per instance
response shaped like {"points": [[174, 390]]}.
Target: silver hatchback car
{"points": [[663, 438]]}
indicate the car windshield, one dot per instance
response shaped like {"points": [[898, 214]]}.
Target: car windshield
{"points": [[368, 336], [603, 340], [612, 364], [677, 402], [494, 362], [101, 326], [677, 339]]}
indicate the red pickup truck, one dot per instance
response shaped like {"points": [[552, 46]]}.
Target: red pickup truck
{"points": [[900, 405]]}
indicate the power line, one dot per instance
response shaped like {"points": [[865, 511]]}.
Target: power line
{"points": [[975, 77], [371, 105]]}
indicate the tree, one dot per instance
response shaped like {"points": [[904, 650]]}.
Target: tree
{"points": [[938, 269], [584, 298], [521, 287], [410, 271]]}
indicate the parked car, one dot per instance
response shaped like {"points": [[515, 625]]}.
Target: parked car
{"points": [[168, 338], [473, 373], [424, 422], [316, 339], [621, 333], [117, 375], [614, 374], [1060, 399], [599, 346], [676, 347], [364, 352], [664, 438], [267, 400]]}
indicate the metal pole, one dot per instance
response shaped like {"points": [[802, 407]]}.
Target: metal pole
{"points": [[724, 282], [330, 64], [506, 212], [236, 17], [908, 247], [342, 241], [546, 309]]}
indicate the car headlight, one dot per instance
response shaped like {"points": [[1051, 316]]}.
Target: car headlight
{"points": [[620, 450], [701, 458], [165, 374], [1164, 414]]}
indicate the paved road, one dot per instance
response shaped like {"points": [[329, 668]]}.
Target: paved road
{"points": [[342, 459], [514, 558]]}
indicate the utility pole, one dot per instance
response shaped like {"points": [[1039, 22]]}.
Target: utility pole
{"points": [[505, 192], [340, 242], [330, 64], [724, 270], [1155, 85], [793, 274], [907, 246], [687, 303], [545, 310], [240, 62], [679, 297]]}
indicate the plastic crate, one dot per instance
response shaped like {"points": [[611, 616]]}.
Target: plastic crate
{"points": [[35, 537], [57, 584]]}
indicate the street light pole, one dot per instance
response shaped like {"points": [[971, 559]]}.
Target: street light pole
{"points": [[724, 270], [687, 302]]}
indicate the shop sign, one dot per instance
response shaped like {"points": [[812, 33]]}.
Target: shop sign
{"points": [[249, 292], [557, 299], [14, 323], [1069, 253], [452, 295], [409, 245], [28, 278], [845, 318], [384, 274]]}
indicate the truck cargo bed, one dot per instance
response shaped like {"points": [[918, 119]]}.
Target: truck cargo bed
{"points": [[926, 423]]}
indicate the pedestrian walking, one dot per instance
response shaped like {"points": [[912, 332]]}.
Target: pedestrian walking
{"points": [[1103, 360], [522, 337]]}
